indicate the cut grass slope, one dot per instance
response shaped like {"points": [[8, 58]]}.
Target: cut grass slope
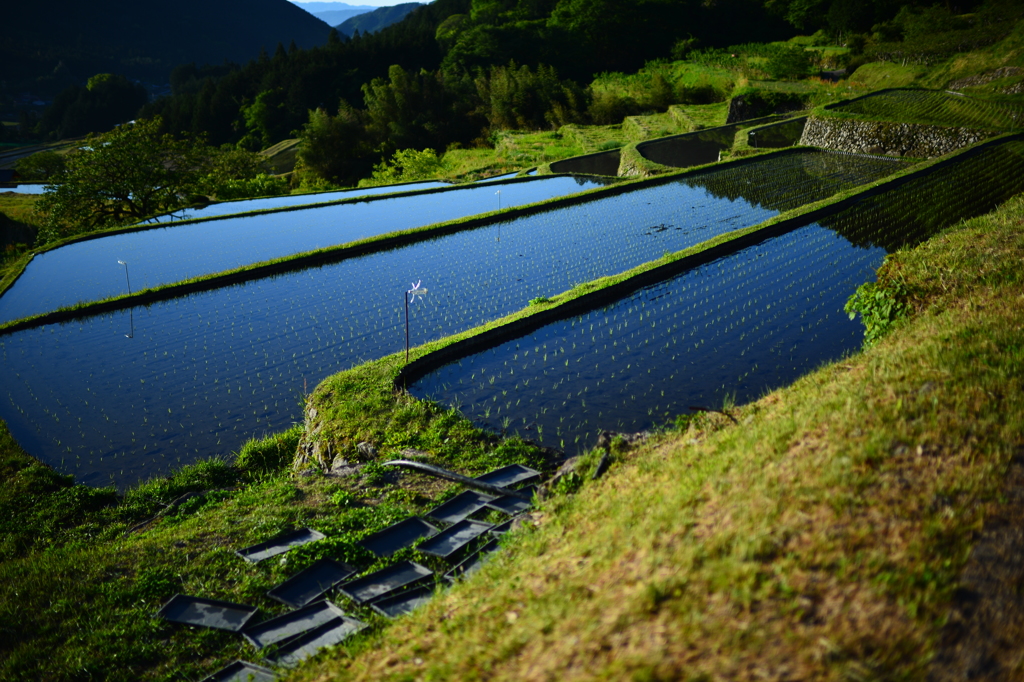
{"points": [[821, 537]]}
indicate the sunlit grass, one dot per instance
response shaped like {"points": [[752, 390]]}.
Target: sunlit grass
{"points": [[819, 538]]}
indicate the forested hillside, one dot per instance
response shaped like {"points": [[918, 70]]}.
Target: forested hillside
{"points": [[48, 46], [436, 78], [459, 72]]}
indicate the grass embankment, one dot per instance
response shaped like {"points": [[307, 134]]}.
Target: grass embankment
{"points": [[820, 537], [83, 571], [19, 223]]}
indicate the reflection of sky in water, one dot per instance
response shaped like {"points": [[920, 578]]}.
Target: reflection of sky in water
{"points": [[733, 328], [729, 330], [24, 189], [88, 270], [205, 372]]}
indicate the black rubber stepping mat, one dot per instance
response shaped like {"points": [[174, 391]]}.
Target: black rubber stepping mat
{"points": [[279, 545], [291, 624], [512, 505], [510, 475], [404, 602], [384, 581], [473, 563], [455, 538], [210, 613], [242, 671], [402, 534], [334, 631], [310, 584], [460, 506]]}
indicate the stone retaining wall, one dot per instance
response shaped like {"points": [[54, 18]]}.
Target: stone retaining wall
{"points": [[886, 137]]}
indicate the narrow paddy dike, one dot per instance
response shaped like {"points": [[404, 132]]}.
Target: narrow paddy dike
{"points": [[125, 395], [225, 208]]}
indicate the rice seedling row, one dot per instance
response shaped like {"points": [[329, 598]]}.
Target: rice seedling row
{"points": [[936, 108], [201, 374], [89, 270], [724, 332]]}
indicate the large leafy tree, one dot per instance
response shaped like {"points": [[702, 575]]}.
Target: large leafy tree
{"points": [[335, 148], [121, 177]]}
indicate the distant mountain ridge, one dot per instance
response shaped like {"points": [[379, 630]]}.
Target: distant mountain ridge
{"points": [[371, 22], [66, 41], [333, 13]]}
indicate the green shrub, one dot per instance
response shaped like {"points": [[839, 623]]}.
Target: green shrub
{"points": [[881, 305], [788, 63], [407, 165], [262, 185]]}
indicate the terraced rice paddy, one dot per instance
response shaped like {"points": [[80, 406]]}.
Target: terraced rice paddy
{"points": [[723, 332], [691, 149], [266, 203], [89, 270], [935, 108], [202, 373], [785, 134]]}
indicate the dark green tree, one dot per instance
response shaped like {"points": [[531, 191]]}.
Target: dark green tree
{"points": [[335, 148], [40, 167], [266, 120], [418, 110], [121, 177], [518, 97], [106, 101]]}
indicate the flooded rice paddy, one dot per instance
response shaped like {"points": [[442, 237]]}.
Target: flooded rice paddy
{"points": [[89, 270], [123, 396]]}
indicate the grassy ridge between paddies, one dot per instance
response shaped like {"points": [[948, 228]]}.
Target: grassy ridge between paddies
{"points": [[589, 295], [820, 537], [377, 243]]}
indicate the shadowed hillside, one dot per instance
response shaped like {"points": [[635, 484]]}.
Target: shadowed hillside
{"points": [[64, 42], [371, 22]]}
